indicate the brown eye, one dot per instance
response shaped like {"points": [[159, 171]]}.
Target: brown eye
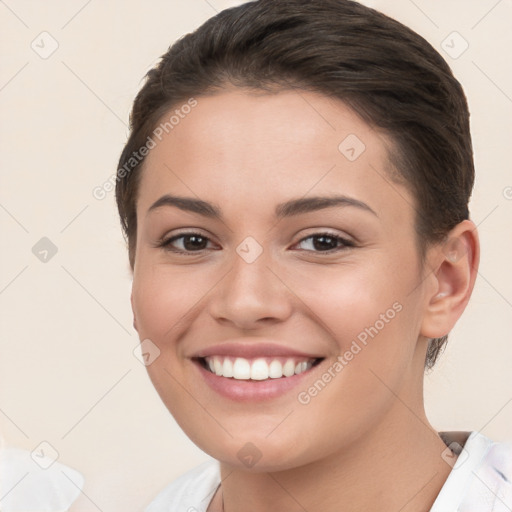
{"points": [[325, 242], [186, 242]]}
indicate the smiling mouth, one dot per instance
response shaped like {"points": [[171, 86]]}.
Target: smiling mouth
{"points": [[257, 369]]}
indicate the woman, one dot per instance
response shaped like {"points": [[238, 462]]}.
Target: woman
{"points": [[294, 193]]}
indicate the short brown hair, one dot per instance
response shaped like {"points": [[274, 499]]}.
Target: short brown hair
{"points": [[388, 74]]}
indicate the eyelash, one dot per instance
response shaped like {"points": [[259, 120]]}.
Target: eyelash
{"points": [[166, 243]]}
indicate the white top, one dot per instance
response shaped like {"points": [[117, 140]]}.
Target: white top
{"points": [[480, 481], [36, 482]]}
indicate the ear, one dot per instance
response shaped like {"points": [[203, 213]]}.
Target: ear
{"points": [[454, 272], [133, 311]]}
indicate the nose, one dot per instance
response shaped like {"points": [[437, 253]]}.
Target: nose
{"points": [[251, 295]]}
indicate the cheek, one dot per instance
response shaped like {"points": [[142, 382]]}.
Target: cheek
{"points": [[345, 299], [370, 316], [166, 299]]}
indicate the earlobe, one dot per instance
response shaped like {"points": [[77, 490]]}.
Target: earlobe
{"points": [[454, 273]]}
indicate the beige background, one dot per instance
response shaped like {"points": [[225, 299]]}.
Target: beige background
{"points": [[67, 371]]}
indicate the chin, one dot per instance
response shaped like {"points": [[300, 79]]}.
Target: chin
{"points": [[254, 449]]}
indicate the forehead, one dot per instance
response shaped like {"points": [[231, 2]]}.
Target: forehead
{"points": [[244, 149]]}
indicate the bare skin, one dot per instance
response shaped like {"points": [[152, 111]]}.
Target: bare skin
{"points": [[363, 442]]}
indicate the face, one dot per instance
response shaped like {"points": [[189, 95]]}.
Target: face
{"points": [[274, 248]]}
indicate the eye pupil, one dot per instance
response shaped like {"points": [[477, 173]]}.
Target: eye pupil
{"points": [[331, 244], [194, 239]]}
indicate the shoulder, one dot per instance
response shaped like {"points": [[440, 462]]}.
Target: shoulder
{"points": [[36, 481], [491, 485], [500, 458], [496, 461], [493, 477], [481, 478], [192, 491]]}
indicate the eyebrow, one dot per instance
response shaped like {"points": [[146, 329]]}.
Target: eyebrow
{"points": [[282, 210]]}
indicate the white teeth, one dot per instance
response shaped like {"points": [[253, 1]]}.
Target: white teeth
{"points": [[241, 369], [301, 367], [227, 368], [259, 370], [256, 369], [275, 369], [289, 368], [217, 366]]}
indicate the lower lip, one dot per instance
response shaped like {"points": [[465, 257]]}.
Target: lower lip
{"points": [[251, 390]]}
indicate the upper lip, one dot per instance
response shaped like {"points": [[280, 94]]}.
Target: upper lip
{"points": [[249, 348]]}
